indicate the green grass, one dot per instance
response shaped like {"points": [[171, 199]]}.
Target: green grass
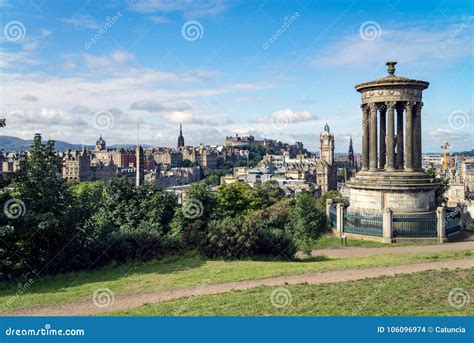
{"points": [[419, 294], [330, 241], [188, 271]]}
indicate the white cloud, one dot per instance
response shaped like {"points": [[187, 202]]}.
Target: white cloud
{"points": [[29, 97], [30, 46], [190, 9], [82, 21], [44, 116], [288, 115], [184, 117], [158, 19], [44, 33], [9, 59], [116, 58], [79, 109], [414, 46], [155, 106]]}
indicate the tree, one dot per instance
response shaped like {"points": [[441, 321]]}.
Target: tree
{"points": [[40, 235], [335, 196], [307, 221], [133, 222], [229, 238], [270, 192], [190, 220], [237, 199], [271, 224], [441, 188]]}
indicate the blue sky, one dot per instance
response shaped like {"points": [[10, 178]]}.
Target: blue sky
{"points": [[277, 69]]}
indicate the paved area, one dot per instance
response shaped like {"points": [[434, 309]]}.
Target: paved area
{"points": [[357, 251], [127, 301]]}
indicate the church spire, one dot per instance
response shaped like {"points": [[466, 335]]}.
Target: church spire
{"points": [[180, 137]]}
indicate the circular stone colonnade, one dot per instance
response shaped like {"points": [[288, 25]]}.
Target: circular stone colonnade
{"points": [[391, 175]]}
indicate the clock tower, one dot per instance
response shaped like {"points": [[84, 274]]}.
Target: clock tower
{"points": [[326, 140]]}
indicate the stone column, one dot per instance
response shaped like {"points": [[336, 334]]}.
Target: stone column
{"points": [[373, 137], [390, 162], [340, 218], [382, 134], [417, 137], [365, 138], [409, 136], [328, 208], [399, 161], [441, 223], [387, 222]]}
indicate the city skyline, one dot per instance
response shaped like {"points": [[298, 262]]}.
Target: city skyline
{"points": [[279, 71]]}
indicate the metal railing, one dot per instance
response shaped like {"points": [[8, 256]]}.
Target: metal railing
{"points": [[452, 221], [332, 217], [363, 224], [413, 225]]}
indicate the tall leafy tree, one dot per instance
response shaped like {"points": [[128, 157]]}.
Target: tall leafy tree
{"points": [[44, 233], [307, 221]]}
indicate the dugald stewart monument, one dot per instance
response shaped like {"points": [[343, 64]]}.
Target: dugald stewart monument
{"points": [[391, 176]]}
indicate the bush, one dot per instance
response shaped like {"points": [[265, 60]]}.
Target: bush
{"points": [[229, 238], [307, 222]]}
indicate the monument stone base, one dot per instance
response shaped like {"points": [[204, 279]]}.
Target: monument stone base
{"points": [[401, 191]]}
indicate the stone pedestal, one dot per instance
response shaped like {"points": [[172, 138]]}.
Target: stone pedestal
{"points": [[387, 225], [340, 218], [328, 208], [401, 191], [441, 224]]}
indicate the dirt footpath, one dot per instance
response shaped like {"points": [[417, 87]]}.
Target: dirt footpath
{"points": [[127, 301], [357, 251]]}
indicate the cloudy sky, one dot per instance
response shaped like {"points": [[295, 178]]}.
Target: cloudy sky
{"points": [[277, 69]]}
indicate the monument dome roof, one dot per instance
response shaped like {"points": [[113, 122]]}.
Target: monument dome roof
{"points": [[392, 80]]}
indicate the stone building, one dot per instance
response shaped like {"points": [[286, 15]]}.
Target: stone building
{"points": [[77, 165], [168, 157], [326, 168]]}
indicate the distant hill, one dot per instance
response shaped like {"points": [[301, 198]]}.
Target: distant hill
{"points": [[12, 144]]}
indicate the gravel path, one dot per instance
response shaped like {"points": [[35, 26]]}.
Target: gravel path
{"points": [[357, 251], [127, 301]]}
